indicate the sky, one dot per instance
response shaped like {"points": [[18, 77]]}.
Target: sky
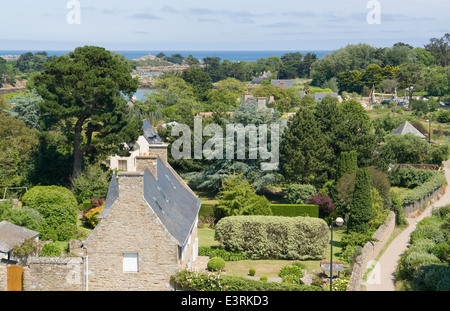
{"points": [[219, 25]]}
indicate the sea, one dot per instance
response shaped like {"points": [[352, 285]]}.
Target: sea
{"points": [[232, 56]]}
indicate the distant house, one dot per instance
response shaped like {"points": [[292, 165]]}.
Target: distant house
{"points": [[408, 128], [146, 143], [317, 96], [261, 78], [147, 232], [12, 235], [285, 83], [261, 101]]}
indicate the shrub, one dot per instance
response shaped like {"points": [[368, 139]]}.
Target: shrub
{"points": [[92, 183], [251, 272], [263, 278], [361, 206], [427, 278], [411, 261], [442, 251], [57, 206], [91, 216], [50, 250], [219, 282], [274, 237], [291, 274], [430, 232], [434, 182], [214, 251], [295, 210], [216, 264], [355, 239], [422, 245], [324, 202], [298, 194]]}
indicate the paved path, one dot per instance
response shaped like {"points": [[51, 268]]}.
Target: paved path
{"points": [[382, 276]]}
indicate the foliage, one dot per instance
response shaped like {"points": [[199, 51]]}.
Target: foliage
{"points": [[91, 183], [219, 282], [298, 194], [274, 237], [346, 163], [341, 284], [213, 251], [292, 273], [50, 250], [304, 152], [84, 90], [57, 206], [379, 213], [91, 215], [25, 108], [216, 264], [361, 206], [437, 180], [17, 144], [25, 248], [324, 202], [251, 272], [295, 210], [408, 177], [237, 197]]}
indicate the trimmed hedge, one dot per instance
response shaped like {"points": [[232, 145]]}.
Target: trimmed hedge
{"points": [[295, 210], [196, 281], [274, 237], [434, 182]]}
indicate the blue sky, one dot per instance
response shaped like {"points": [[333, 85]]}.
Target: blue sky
{"points": [[219, 25]]}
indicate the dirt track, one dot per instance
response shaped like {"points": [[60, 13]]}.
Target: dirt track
{"points": [[382, 276]]}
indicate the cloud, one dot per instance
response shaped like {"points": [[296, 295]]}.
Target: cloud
{"points": [[145, 16]]}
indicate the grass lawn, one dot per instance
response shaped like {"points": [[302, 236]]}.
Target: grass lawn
{"points": [[270, 268]]}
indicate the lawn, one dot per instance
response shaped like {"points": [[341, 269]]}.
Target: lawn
{"points": [[270, 268]]}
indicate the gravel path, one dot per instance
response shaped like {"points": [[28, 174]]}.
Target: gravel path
{"points": [[382, 276]]}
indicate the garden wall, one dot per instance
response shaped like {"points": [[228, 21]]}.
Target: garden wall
{"points": [[370, 251], [53, 274], [411, 208]]}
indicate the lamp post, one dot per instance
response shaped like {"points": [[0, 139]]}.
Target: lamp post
{"points": [[339, 221], [429, 130]]}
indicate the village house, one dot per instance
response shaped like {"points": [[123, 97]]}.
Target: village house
{"points": [[10, 236], [147, 232], [284, 83]]}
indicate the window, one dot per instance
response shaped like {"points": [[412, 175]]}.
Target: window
{"points": [[123, 165], [130, 263]]}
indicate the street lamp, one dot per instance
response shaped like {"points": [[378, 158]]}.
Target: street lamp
{"points": [[429, 130], [339, 221]]}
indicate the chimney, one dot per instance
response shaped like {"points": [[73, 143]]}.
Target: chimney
{"points": [[146, 161], [159, 149]]}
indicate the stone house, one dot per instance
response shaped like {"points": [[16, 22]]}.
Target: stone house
{"points": [[283, 83], [147, 232], [12, 235], [149, 142]]}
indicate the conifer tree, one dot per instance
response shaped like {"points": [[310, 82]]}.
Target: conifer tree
{"points": [[361, 206], [304, 152], [346, 163]]}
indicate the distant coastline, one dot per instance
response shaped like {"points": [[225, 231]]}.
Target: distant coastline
{"points": [[233, 56]]}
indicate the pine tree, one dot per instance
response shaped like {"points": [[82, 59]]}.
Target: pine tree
{"points": [[304, 152], [361, 206], [346, 163]]}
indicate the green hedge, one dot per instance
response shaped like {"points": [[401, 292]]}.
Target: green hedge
{"points": [[420, 192], [196, 281], [295, 210], [287, 210], [274, 237]]}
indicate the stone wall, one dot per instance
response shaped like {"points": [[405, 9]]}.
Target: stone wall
{"points": [[411, 208], [3, 284], [53, 274], [370, 251]]}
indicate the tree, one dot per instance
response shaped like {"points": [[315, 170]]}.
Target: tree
{"points": [[346, 163], [304, 152], [25, 108], [92, 183], [237, 197], [84, 90], [17, 144], [361, 206], [440, 49], [199, 80], [404, 149]]}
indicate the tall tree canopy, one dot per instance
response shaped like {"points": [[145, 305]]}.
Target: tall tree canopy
{"points": [[83, 93]]}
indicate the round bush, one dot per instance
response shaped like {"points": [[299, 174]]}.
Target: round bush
{"points": [[216, 264], [252, 272], [423, 245], [50, 250], [426, 278], [263, 278], [427, 231], [443, 285], [411, 261]]}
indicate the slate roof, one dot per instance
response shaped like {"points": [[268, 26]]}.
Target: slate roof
{"points": [[176, 206], [11, 235], [406, 128], [150, 134]]}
